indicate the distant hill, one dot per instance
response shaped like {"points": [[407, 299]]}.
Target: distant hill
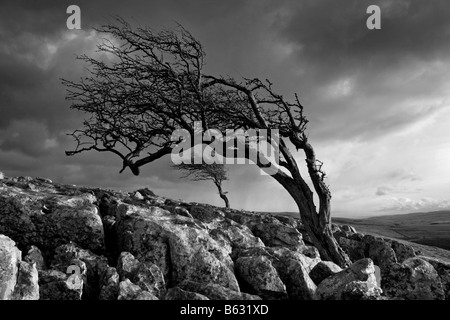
{"points": [[429, 228]]}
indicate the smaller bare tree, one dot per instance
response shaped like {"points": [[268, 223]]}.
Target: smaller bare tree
{"points": [[215, 172]]}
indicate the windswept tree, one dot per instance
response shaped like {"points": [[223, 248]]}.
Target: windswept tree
{"points": [[215, 172], [154, 83]]}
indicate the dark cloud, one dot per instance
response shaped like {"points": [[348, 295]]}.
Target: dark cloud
{"points": [[356, 84]]}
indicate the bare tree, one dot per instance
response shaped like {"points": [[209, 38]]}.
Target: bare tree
{"points": [[215, 172], [154, 84]]}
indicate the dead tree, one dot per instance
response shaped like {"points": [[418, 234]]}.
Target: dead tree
{"points": [[154, 83]]}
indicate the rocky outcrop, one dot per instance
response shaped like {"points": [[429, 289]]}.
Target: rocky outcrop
{"points": [[292, 267], [261, 277], [38, 213], [272, 231], [27, 287], [34, 255], [443, 270], [414, 279], [18, 279], [180, 294], [146, 275], [383, 252], [10, 257], [109, 285], [323, 270], [83, 243], [215, 292], [357, 282], [68, 255], [177, 244], [131, 291], [55, 285]]}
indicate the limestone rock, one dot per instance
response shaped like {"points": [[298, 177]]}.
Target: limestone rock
{"points": [[402, 251], [215, 292], [138, 196], [342, 284], [183, 212], [180, 294], [293, 268], [443, 270], [348, 228], [95, 267], [278, 234], [150, 278], [27, 287], [48, 220], [381, 252], [360, 290], [127, 265], [130, 291], [180, 248], [414, 279], [10, 257], [109, 287], [273, 231], [234, 236], [352, 244], [260, 277], [53, 285], [34, 255], [323, 270]]}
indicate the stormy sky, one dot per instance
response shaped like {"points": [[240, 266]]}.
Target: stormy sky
{"points": [[378, 101]]}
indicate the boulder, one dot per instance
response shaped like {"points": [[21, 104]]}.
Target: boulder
{"points": [[10, 257], [130, 291], [381, 252], [402, 251], [138, 196], [54, 285], [348, 228], [95, 267], [214, 291], [414, 279], [34, 255], [352, 244], [2, 176], [293, 268], [27, 286], [180, 294], [48, 220], [149, 277], [273, 231], [260, 277], [176, 244], [127, 265], [443, 270], [323, 270], [278, 234], [109, 286], [360, 290], [358, 280]]}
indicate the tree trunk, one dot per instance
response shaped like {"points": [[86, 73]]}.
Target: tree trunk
{"points": [[318, 225], [222, 194], [225, 199]]}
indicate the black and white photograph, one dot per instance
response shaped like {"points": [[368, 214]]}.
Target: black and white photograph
{"points": [[252, 153]]}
